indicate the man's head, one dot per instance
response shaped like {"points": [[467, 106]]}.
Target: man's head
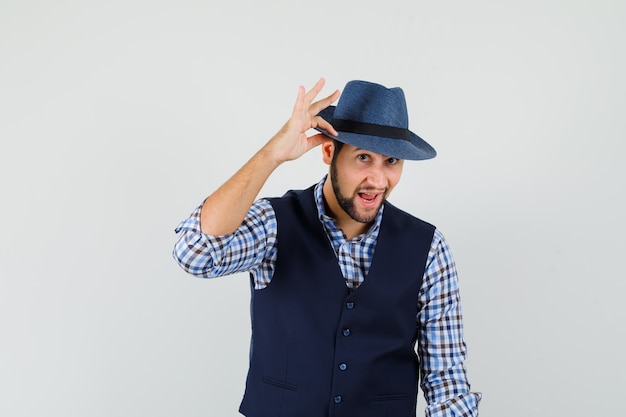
{"points": [[367, 155], [360, 180], [372, 117]]}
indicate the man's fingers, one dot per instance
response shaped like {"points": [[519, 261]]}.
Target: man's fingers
{"points": [[323, 124], [316, 140], [314, 91], [320, 105], [304, 100], [299, 106], [303, 106]]}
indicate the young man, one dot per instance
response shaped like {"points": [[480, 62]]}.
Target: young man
{"points": [[344, 283]]}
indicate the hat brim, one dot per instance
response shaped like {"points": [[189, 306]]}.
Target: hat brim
{"points": [[414, 149]]}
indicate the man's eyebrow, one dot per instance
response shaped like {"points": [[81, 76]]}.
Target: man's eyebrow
{"points": [[356, 150]]}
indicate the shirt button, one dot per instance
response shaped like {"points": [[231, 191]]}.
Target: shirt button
{"points": [[337, 399], [350, 305], [343, 366], [346, 332]]}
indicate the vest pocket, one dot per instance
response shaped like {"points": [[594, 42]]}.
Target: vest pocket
{"points": [[391, 397], [280, 383]]}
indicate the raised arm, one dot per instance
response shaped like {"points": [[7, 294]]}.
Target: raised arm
{"points": [[224, 210]]}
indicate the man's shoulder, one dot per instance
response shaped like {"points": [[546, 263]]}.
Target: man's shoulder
{"points": [[295, 200], [292, 195]]}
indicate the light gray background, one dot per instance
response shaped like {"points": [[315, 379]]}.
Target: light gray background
{"points": [[117, 118]]}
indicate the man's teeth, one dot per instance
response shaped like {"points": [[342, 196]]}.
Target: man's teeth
{"points": [[368, 198]]}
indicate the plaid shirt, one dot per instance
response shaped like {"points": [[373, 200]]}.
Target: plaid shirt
{"points": [[441, 347]]}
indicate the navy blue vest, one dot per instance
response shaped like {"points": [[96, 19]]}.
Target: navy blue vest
{"points": [[319, 350]]}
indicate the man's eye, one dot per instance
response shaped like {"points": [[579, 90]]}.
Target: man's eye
{"points": [[392, 161], [363, 157]]}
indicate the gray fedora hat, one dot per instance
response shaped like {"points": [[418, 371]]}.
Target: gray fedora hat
{"points": [[373, 117]]}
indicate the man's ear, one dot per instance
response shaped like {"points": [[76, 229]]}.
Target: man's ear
{"points": [[328, 148]]}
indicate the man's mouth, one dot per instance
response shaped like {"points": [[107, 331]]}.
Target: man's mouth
{"points": [[368, 198]]}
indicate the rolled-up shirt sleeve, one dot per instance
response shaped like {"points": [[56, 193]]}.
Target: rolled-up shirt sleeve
{"points": [[441, 347], [251, 248]]}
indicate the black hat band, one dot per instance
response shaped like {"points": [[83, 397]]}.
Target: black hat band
{"points": [[371, 129]]}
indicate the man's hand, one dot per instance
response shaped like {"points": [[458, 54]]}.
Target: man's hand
{"points": [[291, 141], [224, 210]]}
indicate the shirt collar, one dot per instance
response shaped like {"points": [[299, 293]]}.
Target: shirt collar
{"points": [[328, 220]]}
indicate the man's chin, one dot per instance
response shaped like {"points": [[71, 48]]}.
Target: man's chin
{"points": [[366, 215]]}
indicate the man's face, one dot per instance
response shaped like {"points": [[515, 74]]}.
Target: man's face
{"points": [[362, 180]]}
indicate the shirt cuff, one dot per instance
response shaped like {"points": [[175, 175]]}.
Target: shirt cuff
{"points": [[195, 251], [191, 223], [463, 405]]}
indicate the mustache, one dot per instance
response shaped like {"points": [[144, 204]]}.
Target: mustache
{"points": [[372, 190]]}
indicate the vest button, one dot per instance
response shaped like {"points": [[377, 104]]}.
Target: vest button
{"points": [[343, 366], [337, 399], [346, 332], [350, 305]]}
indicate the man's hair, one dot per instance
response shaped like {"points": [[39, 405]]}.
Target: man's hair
{"points": [[337, 148]]}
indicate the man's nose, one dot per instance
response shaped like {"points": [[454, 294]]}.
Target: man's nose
{"points": [[376, 177]]}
